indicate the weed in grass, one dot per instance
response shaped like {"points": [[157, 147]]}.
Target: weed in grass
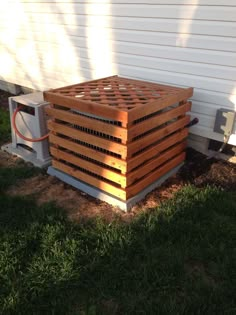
{"points": [[178, 259]]}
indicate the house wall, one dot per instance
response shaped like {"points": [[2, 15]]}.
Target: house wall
{"points": [[47, 44]]}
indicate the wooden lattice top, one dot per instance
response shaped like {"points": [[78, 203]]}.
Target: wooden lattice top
{"points": [[117, 93]]}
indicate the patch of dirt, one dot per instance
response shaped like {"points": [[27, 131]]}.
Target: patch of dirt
{"points": [[197, 170], [7, 160], [79, 205], [200, 171]]}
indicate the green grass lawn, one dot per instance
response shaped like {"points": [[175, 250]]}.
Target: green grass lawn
{"points": [[177, 259]]}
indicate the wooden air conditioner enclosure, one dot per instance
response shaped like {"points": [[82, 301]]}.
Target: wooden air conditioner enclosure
{"points": [[116, 134]]}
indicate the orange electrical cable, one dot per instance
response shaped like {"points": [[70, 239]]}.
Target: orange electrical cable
{"points": [[19, 133]]}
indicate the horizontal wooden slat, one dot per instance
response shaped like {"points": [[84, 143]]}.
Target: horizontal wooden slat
{"points": [[145, 169], [156, 135], [89, 107], [88, 138], [136, 188], [156, 149], [89, 166], [89, 123], [80, 149], [159, 104], [72, 171], [157, 120]]}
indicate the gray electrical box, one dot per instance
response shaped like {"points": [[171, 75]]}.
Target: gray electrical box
{"points": [[224, 123]]}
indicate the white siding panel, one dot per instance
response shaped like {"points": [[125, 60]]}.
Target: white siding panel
{"points": [[131, 64], [53, 35], [170, 53], [174, 2], [46, 44], [139, 10], [207, 109], [215, 28], [216, 98], [183, 79], [184, 67]]}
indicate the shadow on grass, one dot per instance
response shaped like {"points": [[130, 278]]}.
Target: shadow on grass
{"points": [[178, 259], [10, 175]]}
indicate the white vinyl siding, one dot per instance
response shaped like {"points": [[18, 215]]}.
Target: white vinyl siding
{"points": [[47, 44]]}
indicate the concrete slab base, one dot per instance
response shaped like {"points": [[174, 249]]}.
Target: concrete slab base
{"points": [[104, 196], [28, 156]]}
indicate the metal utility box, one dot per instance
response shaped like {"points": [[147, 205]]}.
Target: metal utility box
{"points": [[224, 122], [31, 122]]}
